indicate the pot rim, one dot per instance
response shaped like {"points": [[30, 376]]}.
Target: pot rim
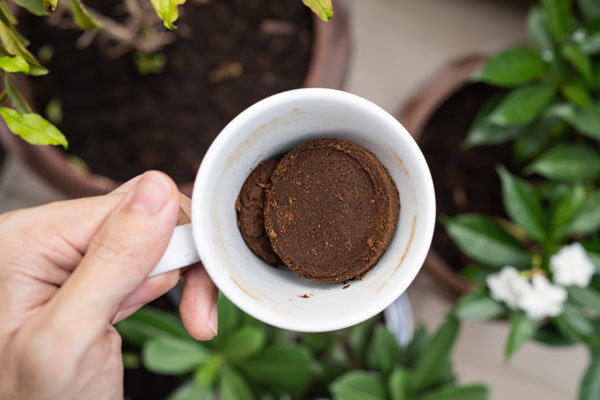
{"points": [[327, 68]]}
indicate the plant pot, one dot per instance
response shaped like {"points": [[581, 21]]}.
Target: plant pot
{"points": [[326, 68], [439, 116]]}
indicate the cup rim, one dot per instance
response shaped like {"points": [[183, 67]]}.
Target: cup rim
{"points": [[218, 147]]}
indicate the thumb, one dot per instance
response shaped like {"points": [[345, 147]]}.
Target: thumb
{"points": [[121, 254]]}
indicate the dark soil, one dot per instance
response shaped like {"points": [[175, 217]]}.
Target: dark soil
{"points": [[465, 180], [122, 123], [143, 384]]}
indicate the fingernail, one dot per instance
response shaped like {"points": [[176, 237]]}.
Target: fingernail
{"points": [[121, 315], [151, 193], [213, 320]]}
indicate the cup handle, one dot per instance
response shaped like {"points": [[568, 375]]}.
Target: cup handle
{"points": [[180, 253]]}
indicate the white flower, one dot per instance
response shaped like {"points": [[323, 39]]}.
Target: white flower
{"points": [[572, 266], [508, 286], [543, 300]]}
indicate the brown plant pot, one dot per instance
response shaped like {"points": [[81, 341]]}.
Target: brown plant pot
{"points": [[415, 116], [327, 68]]}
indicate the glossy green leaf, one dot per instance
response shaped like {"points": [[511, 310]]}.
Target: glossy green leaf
{"points": [[169, 355], [384, 351], [523, 105], [523, 205], [577, 93], [585, 120], [32, 128], [167, 11], [399, 384], [233, 386], [150, 323], [536, 136], [15, 47], [511, 67], [191, 391], [591, 44], [206, 374], [573, 324], [586, 297], [322, 8], [415, 347], [579, 60], [539, 34], [587, 218], [522, 329], [559, 16], [229, 317], [244, 343], [33, 6], [484, 132], [567, 163], [465, 392], [478, 305], [485, 241], [431, 361], [589, 389], [15, 97], [14, 64], [282, 366], [591, 10], [82, 17], [358, 385], [359, 337], [6, 14], [567, 206]]}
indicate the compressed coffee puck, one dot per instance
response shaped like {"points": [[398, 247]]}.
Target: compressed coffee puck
{"points": [[331, 210], [249, 206]]}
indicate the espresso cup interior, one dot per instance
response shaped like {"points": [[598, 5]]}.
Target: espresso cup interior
{"points": [[268, 130]]}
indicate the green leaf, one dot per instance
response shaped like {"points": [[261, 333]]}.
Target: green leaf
{"points": [[415, 347], [431, 361], [536, 136], [484, 132], [586, 297], [587, 218], [191, 391], [539, 34], [482, 239], [585, 120], [589, 389], [593, 251], [206, 374], [150, 323], [233, 386], [573, 324], [169, 355], [167, 11], [14, 64], [399, 384], [358, 385], [567, 206], [317, 342], [33, 6], [577, 93], [523, 105], [9, 18], [281, 366], [478, 305], [244, 343], [523, 205], [522, 329], [466, 392], [32, 128], [359, 336], [476, 273], [229, 317], [16, 99], [560, 17], [579, 60], [590, 9], [322, 8], [82, 17], [511, 67], [591, 44], [50, 4], [567, 163], [13, 46], [384, 351], [549, 335]]}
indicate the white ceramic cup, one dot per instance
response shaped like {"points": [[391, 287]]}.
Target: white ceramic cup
{"points": [[267, 130]]}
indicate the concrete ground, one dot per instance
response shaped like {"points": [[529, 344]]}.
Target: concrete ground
{"points": [[398, 45]]}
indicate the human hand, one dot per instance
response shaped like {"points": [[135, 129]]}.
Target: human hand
{"points": [[71, 269]]}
